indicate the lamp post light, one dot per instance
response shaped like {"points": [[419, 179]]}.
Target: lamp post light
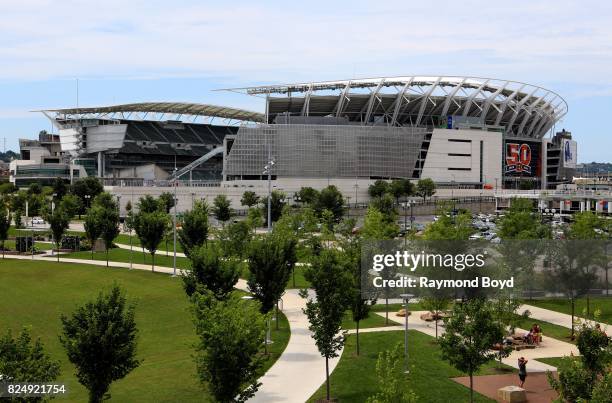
{"points": [[87, 197], [174, 226], [406, 298], [268, 171]]}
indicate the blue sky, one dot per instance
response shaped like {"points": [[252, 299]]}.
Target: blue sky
{"points": [[181, 50]]}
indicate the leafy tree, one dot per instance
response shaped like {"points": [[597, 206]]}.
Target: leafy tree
{"points": [[194, 227], [471, 332], [211, 271], [520, 222], [108, 220], [249, 199], [235, 238], [435, 304], [22, 360], [5, 224], [71, 204], [328, 277], [100, 340], [59, 222], [230, 334], [377, 227], [89, 186], [450, 227], [148, 204], [425, 188], [378, 188], [574, 382], [92, 228], [166, 201], [17, 218], [330, 199], [60, 189], [308, 195], [35, 188], [254, 218], [401, 188], [386, 205], [391, 378], [222, 208], [150, 228], [586, 225], [277, 202], [271, 259], [593, 346]]}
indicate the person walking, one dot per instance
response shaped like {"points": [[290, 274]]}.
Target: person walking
{"points": [[522, 364]]}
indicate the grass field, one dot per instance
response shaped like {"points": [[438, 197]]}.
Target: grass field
{"points": [[123, 255], [554, 361], [373, 320], [35, 294], [354, 379], [563, 305]]}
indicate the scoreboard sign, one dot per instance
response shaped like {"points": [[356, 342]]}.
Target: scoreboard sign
{"points": [[522, 158]]}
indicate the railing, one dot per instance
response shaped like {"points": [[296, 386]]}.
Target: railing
{"points": [[136, 182]]}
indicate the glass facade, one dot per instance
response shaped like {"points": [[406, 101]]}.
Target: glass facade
{"points": [[325, 151]]}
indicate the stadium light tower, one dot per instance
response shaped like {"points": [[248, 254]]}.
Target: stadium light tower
{"points": [[175, 200]]}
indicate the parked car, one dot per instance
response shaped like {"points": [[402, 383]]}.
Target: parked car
{"points": [[37, 221]]}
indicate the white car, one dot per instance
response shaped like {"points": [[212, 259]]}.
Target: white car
{"points": [[37, 221]]}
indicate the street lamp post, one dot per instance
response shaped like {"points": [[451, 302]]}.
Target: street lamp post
{"points": [[268, 171], [174, 227], [406, 298]]}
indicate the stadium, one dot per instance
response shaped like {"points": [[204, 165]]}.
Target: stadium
{"points": [[465, 132]]}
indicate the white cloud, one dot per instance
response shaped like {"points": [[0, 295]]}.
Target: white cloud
{"points": [[277, 41]]}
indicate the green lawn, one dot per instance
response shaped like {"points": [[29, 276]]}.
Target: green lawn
{"points": [[123, 255], [373, 320], [548, 329], [554, 361], [563, 305], [35, 294], [354, 379], [125, 239]]}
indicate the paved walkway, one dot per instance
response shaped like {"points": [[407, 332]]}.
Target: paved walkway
{"points": [[554, 317], [548, 348], [537, 388], [297, 373]]}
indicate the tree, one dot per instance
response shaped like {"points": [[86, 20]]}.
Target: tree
{"points": [[24, 361], [249, 199], [586, 225], [211, 271], [59, 222], [425, 188], [386, 205], [71, 204], [520, 222], [59, 188], [277, 202], [471, 332], [574, 382], [271, 259], [328, 277], [308, 195], [234, 239], [391, 378], [92, 228], [401, 188], [435, 304], [5, 224], [89, 186], [194, 227], [222, 208], [330, 199], [108, 220], [150, 228], [100, 341], [230, 334], [377, 227], [378, 188], [254, 218], [166, 201], [148, 204]]}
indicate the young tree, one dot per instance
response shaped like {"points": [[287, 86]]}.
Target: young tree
{"points": [[150, 228], [377, 227], [391, 378], [71, 204], [330, 199], [471, 332], [425, 188], [435, 304], [211, 271], [386, 205], [194, 227], [401, 188], [148, 204], [222, 208], [5, 224], [230, 334], [59, 222], [520, 222], [90, 187], [277, 203], [308, 195], [166, 202], [234, 239], [24, 361], [128, 224], [378, 188], [254, 218], [108, 220], [100, 341], [60, 189], [249, 199], [270, 261], [92, 228], [328, 277]]}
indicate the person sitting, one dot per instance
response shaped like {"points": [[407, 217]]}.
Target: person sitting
{"points": [[536, 334]]}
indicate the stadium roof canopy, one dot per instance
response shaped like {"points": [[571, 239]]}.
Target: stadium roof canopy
{"points": [[142, 110], [524, 110]]}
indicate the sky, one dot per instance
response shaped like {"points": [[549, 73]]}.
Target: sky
{"points": [[131, 51]]}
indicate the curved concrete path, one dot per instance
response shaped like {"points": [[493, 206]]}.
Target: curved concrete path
{"points": [[295, 376]]}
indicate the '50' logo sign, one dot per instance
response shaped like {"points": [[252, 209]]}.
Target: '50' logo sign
{"points": [[518, 158]]}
